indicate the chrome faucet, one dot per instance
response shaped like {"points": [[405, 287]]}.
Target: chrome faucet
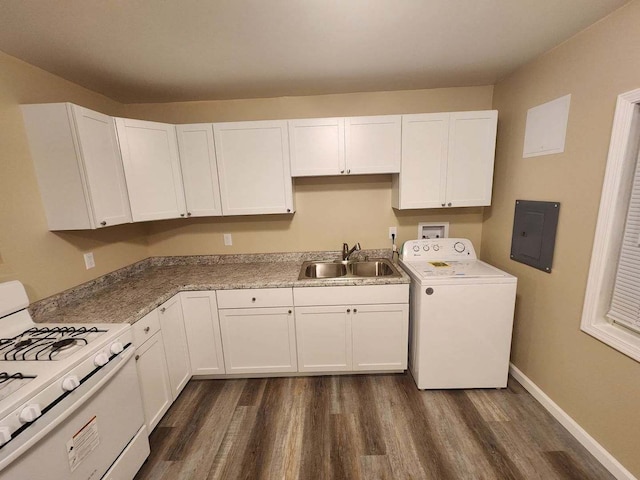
{"points": [[346, 253]]}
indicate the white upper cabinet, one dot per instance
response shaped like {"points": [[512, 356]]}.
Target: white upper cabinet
{"points": [[152, 169], [253, 167], [472, 147], [372, 144], [447, 160], [423, 177], [77, 160], [345, 146], [199, 169], [317, 146]]}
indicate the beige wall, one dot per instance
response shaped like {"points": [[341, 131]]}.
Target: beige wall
{"points": [[329, 210], [44, 261], [593, 383]]}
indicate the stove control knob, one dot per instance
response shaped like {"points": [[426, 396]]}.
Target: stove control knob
{"points": [[5, 435], [416, 248], [30, 413], [101, 359], [116, 348], [70, 383], [459, 247]]}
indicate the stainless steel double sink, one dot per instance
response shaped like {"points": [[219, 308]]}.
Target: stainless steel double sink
{"points": [[379, 267]]}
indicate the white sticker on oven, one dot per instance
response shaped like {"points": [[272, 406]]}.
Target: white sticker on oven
{"points": [[84, 442]]}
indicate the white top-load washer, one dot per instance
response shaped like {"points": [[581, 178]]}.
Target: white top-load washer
{"points": [[461, 315]]}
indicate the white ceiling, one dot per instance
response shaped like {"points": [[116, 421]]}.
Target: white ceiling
{"points": [[178, 50]]}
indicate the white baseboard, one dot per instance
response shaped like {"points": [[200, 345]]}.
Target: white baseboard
{"points": [[607, 460]]}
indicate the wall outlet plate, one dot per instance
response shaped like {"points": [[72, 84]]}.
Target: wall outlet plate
{"points": [[89, 261], [228, 241], [393, 233]]}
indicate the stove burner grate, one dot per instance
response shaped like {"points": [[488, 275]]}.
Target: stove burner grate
{"points": [[45, 343], [5, 377]]}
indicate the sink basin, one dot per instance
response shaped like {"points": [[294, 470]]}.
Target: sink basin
{"points": [[324, 270], [372, 269], [367, 269]]}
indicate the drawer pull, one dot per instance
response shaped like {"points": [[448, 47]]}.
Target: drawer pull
{"points": [[146, 329], [348, 310], [253, 299], [162, 310], [137, 357], [355, 310], [290, 312]]}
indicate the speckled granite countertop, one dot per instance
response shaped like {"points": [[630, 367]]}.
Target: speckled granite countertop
{"points": [[130, 293]]}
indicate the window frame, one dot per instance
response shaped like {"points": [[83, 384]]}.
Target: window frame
{"points": [[616, 191]]}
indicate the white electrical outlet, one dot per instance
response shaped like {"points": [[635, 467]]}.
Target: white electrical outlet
{"points": [[89, 261], [227, 239], [393, 232]]}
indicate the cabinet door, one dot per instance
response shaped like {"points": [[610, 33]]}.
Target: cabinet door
{"points": [[100, 152], [323, 338], [316, 146], [373, 144], [380, 337], [253, 165], [175, 344], [423, 177], [154, 380], [202, 327], [152, 169], [199, 169], [258, 340], [472, 145]]}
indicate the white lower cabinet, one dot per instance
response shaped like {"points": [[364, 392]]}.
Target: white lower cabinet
{"points": [[380, 337], [200, 310], [175, 344], [323, 336], [354, 336], [258, 340], [151, 364]]}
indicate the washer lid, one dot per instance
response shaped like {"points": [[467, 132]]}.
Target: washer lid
{"points": [[462, 269]]}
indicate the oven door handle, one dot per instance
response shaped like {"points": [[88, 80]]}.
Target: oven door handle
{"points": [[110, 370]]}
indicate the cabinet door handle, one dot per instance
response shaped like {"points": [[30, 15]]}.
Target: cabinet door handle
{"points": [[443, 204], [355, 310], [146, 329], [348, 310], [288, 210], [137, 357], [182, 214], [449, 204], [162, 310], [103, 223], [341, 171], [290, 312], [188, 214], [348, 171], [253, 299]]}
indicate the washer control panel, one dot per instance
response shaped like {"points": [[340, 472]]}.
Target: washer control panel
{"points": [[438, 249]]}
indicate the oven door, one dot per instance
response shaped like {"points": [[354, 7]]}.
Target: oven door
{"points": [[82, 436]]}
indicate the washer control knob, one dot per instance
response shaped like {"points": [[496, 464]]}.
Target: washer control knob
{"points": [[416, 248], [116, 348], [426, 248], [459, 247], [5, 435], [101, 359], [70, 383], [30, 413], [436, 248]]}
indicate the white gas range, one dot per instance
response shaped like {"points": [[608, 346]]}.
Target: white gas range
{"points": [[70, 404]]}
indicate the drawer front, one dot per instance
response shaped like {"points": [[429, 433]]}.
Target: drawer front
{"points": [[255, 297], [350, 295], [145, 328]]}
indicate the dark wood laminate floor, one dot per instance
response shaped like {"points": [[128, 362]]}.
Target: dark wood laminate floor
{"points": [[360, 427]]}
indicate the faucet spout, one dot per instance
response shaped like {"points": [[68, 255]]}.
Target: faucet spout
{"points": [[346, 252]]}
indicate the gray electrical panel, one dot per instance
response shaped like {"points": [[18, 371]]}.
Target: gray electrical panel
{"points": [[534, 233]]}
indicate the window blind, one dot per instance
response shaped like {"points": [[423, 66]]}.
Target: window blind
{"points": [[625, 302]]}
